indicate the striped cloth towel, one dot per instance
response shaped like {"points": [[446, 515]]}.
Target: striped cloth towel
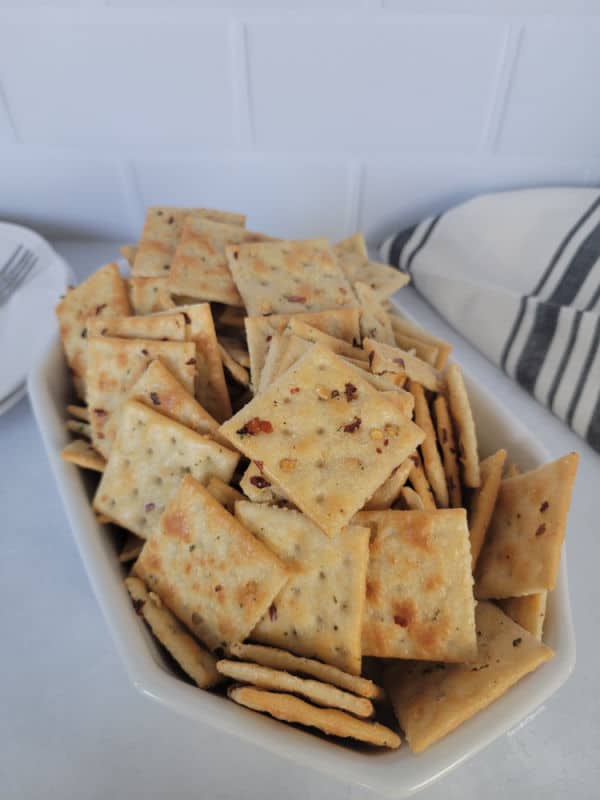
{"points": [[518, 274]]}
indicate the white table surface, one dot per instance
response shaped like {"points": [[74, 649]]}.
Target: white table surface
{"points": [[72, 726]]}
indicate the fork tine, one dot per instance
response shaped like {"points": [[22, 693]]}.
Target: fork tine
{"points": [[6, 266], [11, 268], [18, 278]]}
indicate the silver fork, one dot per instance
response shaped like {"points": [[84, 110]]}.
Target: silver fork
{"points": [[15, 272]]}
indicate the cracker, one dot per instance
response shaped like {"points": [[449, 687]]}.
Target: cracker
{"points": [[82, 454], [512, 470], [194, 660], [321, 694], [103, 294], [161, 232], [403, 326], [431, 700], [328, 438], [311, 334], [374, 322], [388, 492], [447, 442], [283, 660], [132, 547], [521, 553], [236, 350], [79, 428], [114, 365], [275, 352], [208, 569], [420, 483], [225, 494], [150, 456], [400, 397], [419, 600], [392, 361], [411, 500], [425, 351], [239, 373], [353, 258], [319, 611], [259, 487], [150, 295], [211, 388], [432, 462], [460, 411], [483, 501], [294, 347], [528, 611], [354, 244], [199, 267], [79, 412], [160, 390], [288, 708], [128, 251], [287, 277], [169, 327]]}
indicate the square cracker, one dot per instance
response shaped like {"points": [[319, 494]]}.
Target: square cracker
{"points": [[282, 659], [300, 328], [276, 349], [354, 244], [374, 321], [353, 258], [161, 232], [521, 552], [431, 700], [199, 267], [390, 361], [460, 411], [167, 327], [483, 501], [287, 277], [419, 586], [447, 442], [321, 694], [194, 660], [420, 484], [429, 450], [259, 487], [103, 295], [82, 454], [528, 611], [317, 431], [149, 458], [212, 573], [388, 492], [288, 708], [150, 295], [114, 365], [423, 350], [318, 613], [410, 500], [225, 494], [404, 327]]}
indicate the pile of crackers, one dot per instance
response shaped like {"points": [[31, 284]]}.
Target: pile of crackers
{"points": [[291, 472]]}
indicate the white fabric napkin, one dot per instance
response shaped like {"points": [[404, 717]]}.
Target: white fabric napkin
{"points": [[518, 274], [27, 321]]}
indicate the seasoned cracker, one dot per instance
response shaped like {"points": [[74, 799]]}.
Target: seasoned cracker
{"points": [[288, 708], [150, 456], [431, 700], [321, 694], [132, 546], [283, 660], [392, 361], [445, 437], [419, 600], [212, 573], [460, 411], [194, 660], [79, 412], [528, 611], [287, 277], [354, 244], [225, 494], [389, 491], [79, 428], [82, 454], [420, 484], [169, 327], [404, 327], [259, 487], [114, 365], [374, 322], [483, 501], [103, 294], [425, 351], [521, 553], [150, 295], [432, 462], [353, 258], [311, 334], [319, 611], [328, 438], [237, 372], [411, 500]]}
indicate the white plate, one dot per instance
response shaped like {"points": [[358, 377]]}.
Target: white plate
{"points": [[394, 773]]}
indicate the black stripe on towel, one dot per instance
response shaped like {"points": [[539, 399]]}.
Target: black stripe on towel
{"points": [[398, 244], [514, 332], [422, 243], [593, 431], [583, 375], [565, 358]]}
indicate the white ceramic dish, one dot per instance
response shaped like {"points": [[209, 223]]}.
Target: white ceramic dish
{"points": [[395, 774]]}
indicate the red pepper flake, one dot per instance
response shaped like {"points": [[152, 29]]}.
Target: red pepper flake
{"points": [[295, 298], [186, 317], [155, 398], [353, 426], [144, 351], [268, 339], [334, 394], [415, 459], [99, 308], [400, 620], [379, 450], [138, 605], [350, 391], [260, 465], [100, 412], [400, 362], [517, 642], [386, 442], [190, 361], [259, 482], [149, 507], [171, 220], [294, 390], [541, 530], [254, 426], [371, 357], [104, 331], [544, 506], [272, 612], [218, 587], [84, 333]]}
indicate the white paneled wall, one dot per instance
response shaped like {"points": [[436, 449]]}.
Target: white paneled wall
{"points": [[315, 118]]}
